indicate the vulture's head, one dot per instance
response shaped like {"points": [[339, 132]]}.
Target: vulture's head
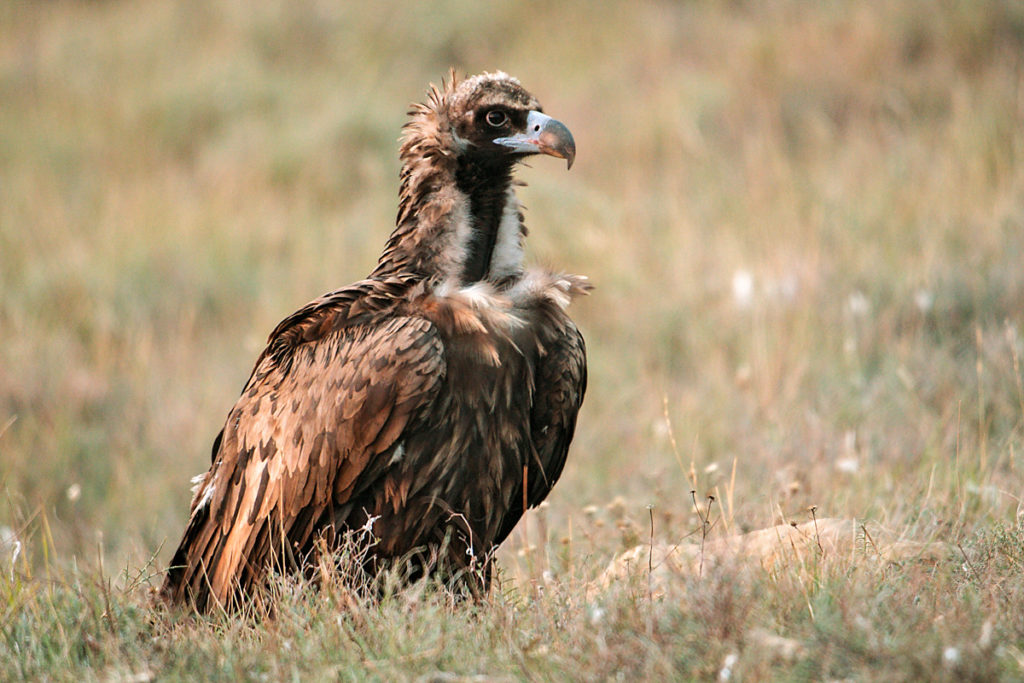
{"points": [[492, 114], [487, 119]]}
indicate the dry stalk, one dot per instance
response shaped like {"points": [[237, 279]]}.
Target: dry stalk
{"points": [[705, 526], [814, 517]]}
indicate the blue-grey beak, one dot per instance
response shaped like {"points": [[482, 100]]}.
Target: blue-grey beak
{"points": [[543, 135]]}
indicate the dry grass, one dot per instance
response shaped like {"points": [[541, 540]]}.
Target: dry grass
{"points": [[806, 226]]}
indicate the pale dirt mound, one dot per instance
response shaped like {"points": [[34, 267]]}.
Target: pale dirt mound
{"points": [[784, 545]]}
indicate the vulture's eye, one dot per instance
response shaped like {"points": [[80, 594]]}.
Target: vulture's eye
{"points": [[496, 118]]}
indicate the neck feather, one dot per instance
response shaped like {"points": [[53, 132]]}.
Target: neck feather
{"points": [[486, 185], [458, 218]]}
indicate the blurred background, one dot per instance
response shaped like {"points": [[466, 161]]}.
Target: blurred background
{"points": [[805, 223]]}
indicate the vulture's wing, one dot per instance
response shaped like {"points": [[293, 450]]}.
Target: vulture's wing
{"points": [[561, 381], [328, 399], [563, 372]]}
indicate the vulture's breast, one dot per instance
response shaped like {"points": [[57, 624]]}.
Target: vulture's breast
{"points": [[465, 460]]}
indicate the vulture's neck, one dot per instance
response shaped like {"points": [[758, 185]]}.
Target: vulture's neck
{"points": [[458, 221], [486, 186]]}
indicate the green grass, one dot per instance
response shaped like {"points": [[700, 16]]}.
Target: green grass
{"points": [[175, 178]]}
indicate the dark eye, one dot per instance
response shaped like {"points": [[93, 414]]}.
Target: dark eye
{"points": [[496, 118]]}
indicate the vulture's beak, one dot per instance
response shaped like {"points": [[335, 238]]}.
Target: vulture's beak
{"points": [[543, 135]]}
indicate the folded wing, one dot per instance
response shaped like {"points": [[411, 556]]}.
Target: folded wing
{"points": [[321, 408]]}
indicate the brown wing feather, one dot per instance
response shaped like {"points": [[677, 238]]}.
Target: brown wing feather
{"points": [[326, 398], [563, 374], [561, 381]]}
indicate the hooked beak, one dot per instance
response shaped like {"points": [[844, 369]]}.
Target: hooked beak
{"points": [[543, 135]]}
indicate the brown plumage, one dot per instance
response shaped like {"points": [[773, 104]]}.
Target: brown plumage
{"points": [[419, 402]]}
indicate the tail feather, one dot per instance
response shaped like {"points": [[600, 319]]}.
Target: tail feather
{"points": [[211, 568], [186, 580]]}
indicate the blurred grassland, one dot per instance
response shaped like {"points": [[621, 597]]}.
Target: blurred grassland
{"points": [[805, 222]]}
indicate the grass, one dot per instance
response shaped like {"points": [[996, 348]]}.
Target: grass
{"points": [[805, 224]]}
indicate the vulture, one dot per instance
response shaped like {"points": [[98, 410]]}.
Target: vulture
{"points": [[427, 406]]}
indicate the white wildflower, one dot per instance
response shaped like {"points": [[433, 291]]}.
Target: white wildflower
{"points": [[727, 665], [848, 465], [743, 288], [924, 300], [743, 375], [858, 304]]}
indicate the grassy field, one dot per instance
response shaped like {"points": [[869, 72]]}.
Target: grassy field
{"points": [[805, 222]]}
